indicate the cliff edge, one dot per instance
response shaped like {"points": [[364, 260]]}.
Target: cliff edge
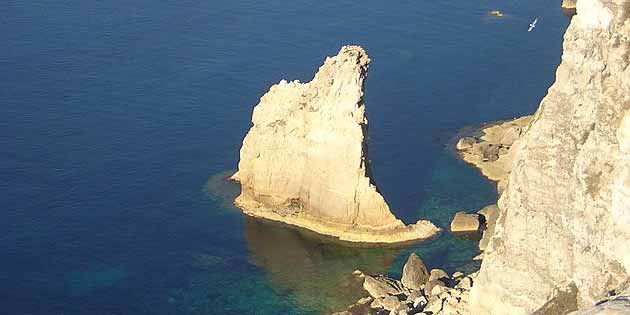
{"points": [[304, 161], [562, 234]]}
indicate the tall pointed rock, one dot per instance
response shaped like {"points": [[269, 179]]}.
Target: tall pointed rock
{"points": [[304, 161], [415, 273]]}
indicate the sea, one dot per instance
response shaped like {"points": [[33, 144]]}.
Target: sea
{"points": [[121, 119]]}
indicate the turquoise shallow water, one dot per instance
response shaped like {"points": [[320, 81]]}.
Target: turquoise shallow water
{"points": [[119, 119]]}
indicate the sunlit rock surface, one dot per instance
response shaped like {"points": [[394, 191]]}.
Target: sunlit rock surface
{"points": [[304, 161], [569, 4], [563, 229]]}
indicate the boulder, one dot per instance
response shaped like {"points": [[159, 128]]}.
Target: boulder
{"points": [[414, 273], [358, 274], [401, 309], [376, 303], [434, 305], [465, 143], [390, 303], [438, 289], [382, 286], [438, 274], [464, 222], [465, 284], [428, 288], [418, 299]]}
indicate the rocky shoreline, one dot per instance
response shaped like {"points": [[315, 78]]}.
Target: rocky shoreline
{"points": [[419, 291], [352, 233], [489, 148]]}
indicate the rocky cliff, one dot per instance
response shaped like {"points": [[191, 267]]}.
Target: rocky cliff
{"points": [[562, 236], [304, 161]]}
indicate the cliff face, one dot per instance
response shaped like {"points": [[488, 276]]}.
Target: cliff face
{"points": [[561, 240], [304, 161]]}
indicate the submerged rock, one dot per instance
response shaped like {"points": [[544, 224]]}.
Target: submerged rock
{"points": [[414, 273], [496, 13], [305, 159]]}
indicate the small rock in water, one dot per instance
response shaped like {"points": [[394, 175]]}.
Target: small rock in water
{"points": [[496, 13], [464, 222], [415, 273]]}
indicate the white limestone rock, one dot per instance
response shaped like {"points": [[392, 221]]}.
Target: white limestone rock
{"points": [[565, 213], [304, 161]]}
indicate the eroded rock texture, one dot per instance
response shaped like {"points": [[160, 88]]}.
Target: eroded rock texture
{"points": [[562, 235], [304, 161]]}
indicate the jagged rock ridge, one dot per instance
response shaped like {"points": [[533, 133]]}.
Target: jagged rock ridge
{"points": [[561, 239], [304, 161]]}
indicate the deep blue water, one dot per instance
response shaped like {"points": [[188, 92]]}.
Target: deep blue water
{"points": [[119, 118]]}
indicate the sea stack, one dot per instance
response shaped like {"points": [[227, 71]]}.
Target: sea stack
{"points": [[561, 239], [305, 159]]}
